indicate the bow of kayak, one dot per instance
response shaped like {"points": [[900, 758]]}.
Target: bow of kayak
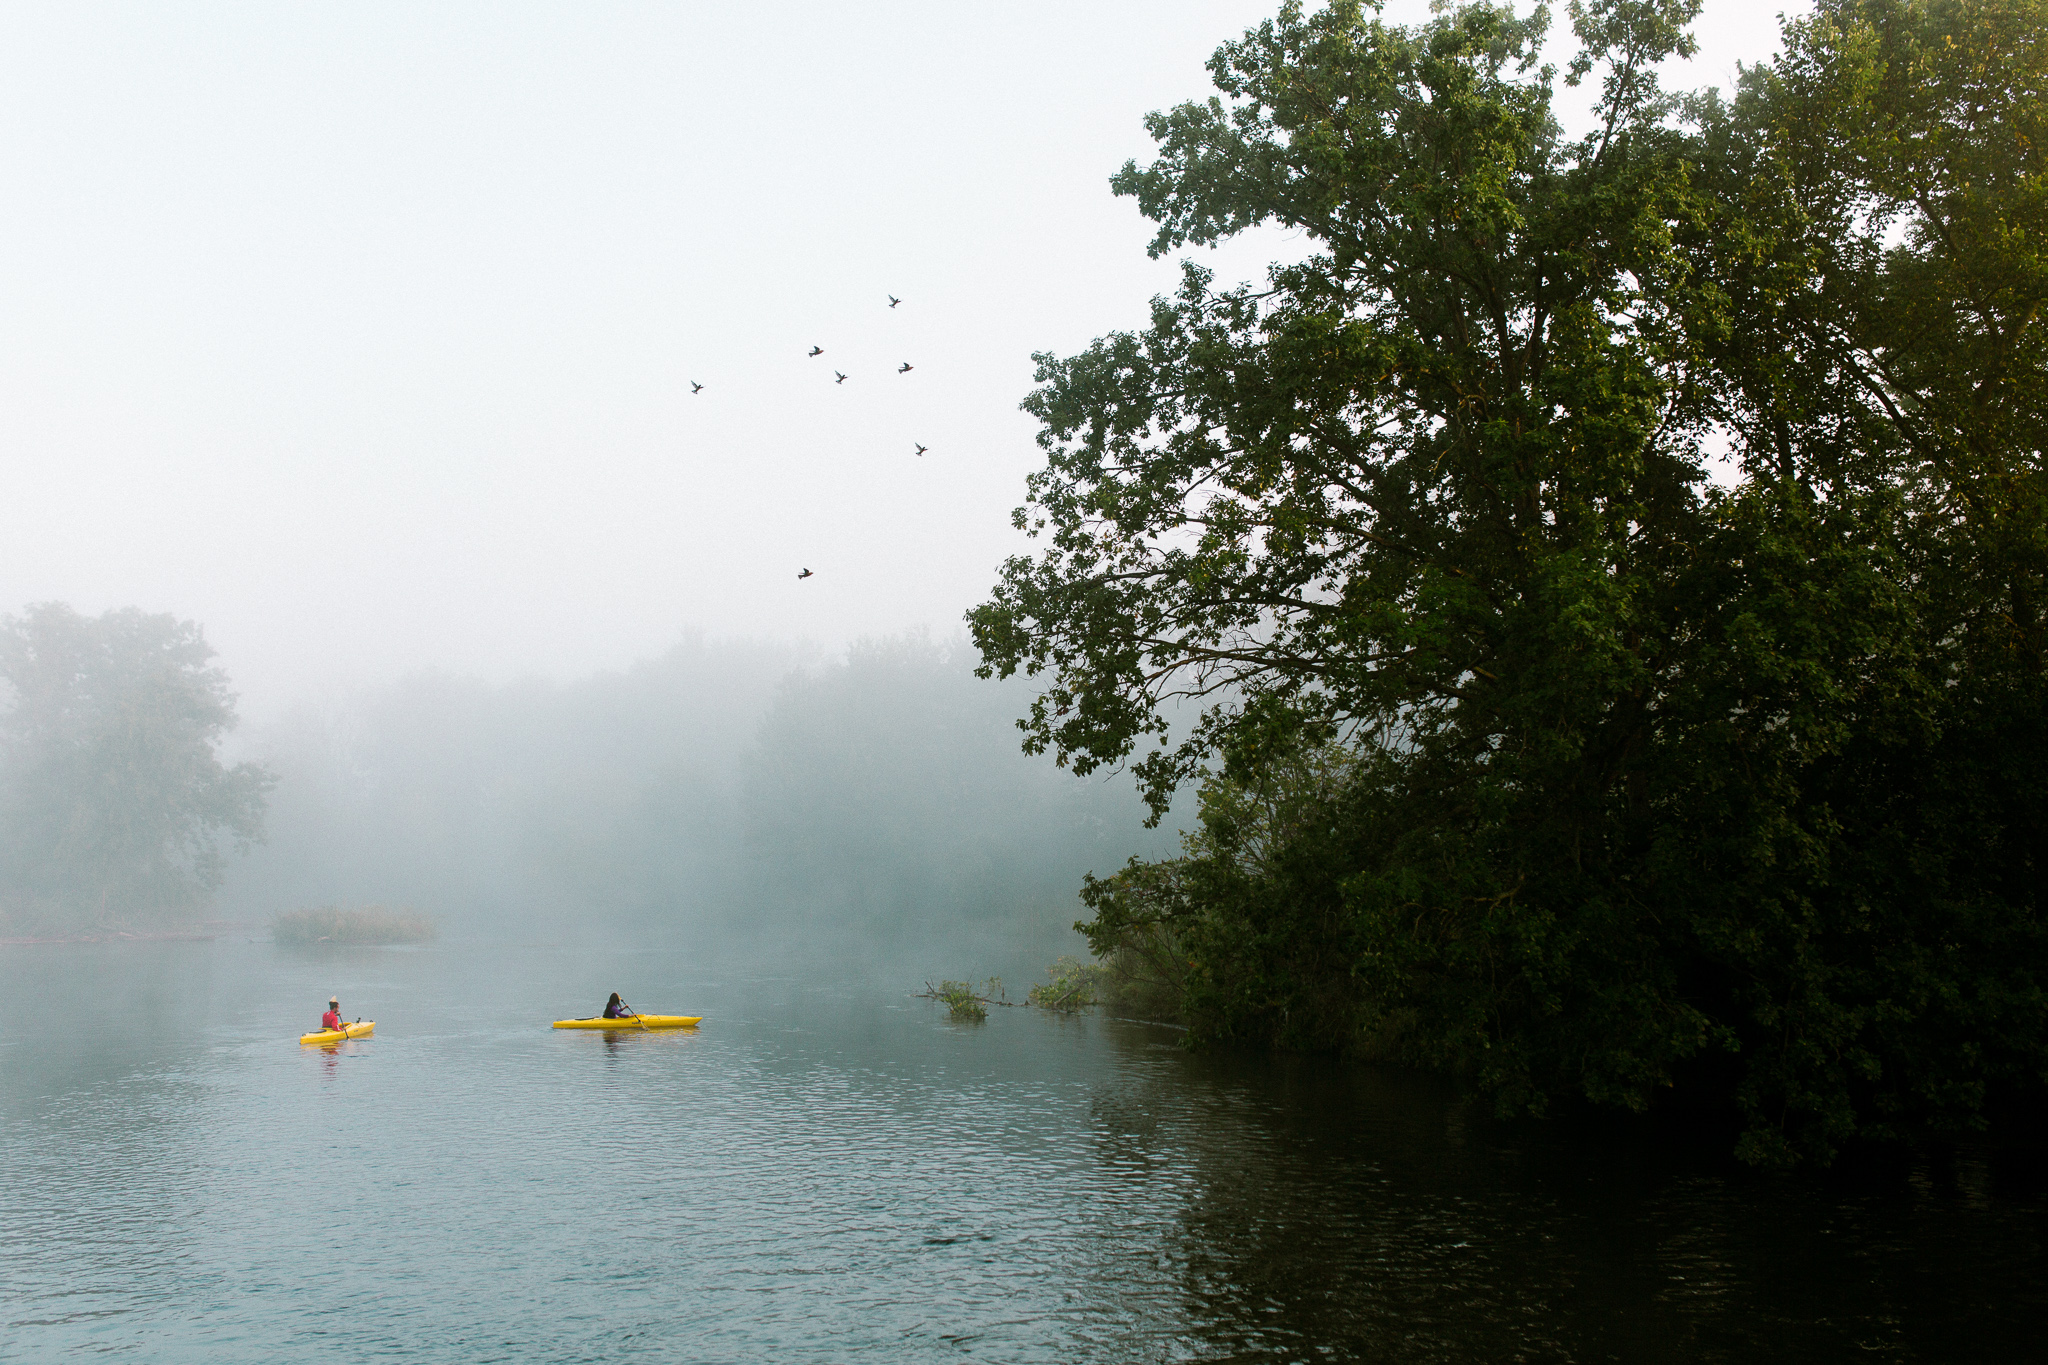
{"points": [[644, 1021], [338, 1035]]}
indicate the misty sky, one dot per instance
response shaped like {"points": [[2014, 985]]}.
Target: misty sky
{"points": [[364, 333]]}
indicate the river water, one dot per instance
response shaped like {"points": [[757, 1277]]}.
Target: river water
{"points": [[833, 1172]]}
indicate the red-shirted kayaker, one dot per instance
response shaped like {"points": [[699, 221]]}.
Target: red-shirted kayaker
{"points": [[331, 1021]]}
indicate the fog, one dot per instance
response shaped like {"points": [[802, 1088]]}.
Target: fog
{"points": [[364, 334], [867, 809], [365, 337]]}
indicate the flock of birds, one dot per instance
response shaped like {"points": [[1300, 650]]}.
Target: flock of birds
{"points": [[837, 378]]}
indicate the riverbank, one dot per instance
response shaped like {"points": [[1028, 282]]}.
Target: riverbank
{"points": [[202, 931]]}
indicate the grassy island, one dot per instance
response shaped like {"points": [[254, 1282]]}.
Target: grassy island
{"points": [[373, 924]]}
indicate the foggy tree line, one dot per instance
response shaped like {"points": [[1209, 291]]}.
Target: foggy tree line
{"points": [[114, 806], [1616, 565], [726, 796], [731, 796]]}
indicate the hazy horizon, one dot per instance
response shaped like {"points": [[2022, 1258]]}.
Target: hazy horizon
{"points": [[365, 337]]}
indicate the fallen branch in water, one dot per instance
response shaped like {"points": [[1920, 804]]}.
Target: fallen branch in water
{"points": [[964, 1001]]}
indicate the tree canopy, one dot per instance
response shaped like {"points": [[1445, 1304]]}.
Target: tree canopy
{"points": [[1610, 568], [116, 805]]}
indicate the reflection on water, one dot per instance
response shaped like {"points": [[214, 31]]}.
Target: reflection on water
{"points": [[832, 1174]]}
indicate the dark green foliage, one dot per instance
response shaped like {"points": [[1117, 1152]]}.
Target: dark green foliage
{"points": [[1530, 751], [114, 807]]}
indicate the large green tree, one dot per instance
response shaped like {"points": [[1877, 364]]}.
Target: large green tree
{"points": [[1650, 779], [114, 805]]}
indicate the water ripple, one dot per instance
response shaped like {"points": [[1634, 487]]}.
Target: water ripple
{"points": [[822, 1175]]}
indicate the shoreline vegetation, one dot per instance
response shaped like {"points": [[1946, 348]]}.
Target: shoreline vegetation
{"points": [[1595, 590], [372, 925], [204, 931], [1137, 982]]}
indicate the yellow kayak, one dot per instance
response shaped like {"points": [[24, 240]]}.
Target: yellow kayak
{"points": [[637, 1023], [338, 1035]]}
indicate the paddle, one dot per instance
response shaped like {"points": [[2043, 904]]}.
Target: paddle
{"points": [[636, 1015]]}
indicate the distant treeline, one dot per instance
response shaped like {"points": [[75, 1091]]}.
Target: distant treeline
{"points": [[735, 797], [115, 809]]}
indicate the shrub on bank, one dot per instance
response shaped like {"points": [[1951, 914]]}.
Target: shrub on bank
{"points": [[369, 925]]}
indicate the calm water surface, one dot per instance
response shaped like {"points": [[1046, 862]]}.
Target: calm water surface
{"points": [[838, 1173]]}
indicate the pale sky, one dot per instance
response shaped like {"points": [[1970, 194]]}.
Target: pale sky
{"points": [[363, 333]]}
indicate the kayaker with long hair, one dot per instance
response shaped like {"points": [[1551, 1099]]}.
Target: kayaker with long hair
{"points": [[332, 1019], [615, 1008]]}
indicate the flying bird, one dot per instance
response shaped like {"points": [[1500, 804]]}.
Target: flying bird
{"points": [[904, 368], [841, 379], [802, 576], [921, 449], [817, 350], [695, 387], [893, 300]]}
